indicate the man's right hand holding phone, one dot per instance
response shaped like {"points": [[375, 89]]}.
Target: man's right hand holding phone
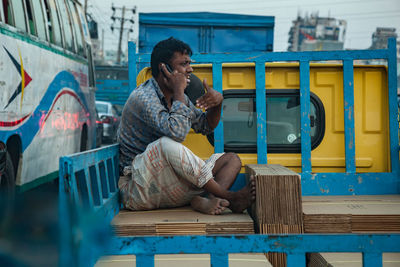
{"points": [[176, 82]]}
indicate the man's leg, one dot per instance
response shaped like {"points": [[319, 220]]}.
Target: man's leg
{"points": [[225, 171]]}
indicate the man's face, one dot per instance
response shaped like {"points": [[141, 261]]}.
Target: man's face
{"points": [[181, 63]]}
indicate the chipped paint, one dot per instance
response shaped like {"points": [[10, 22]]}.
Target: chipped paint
{"points": [[324, 191]]}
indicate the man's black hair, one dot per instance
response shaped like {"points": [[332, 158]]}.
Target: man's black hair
{"points": [[164, 51]]}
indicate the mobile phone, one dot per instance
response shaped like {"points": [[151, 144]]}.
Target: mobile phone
{"points": [[168, 67]]}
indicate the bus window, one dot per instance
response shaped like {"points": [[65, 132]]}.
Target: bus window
{"points": [[31, 23], [66, 23], [19, 14], [78, 32], [53, 24], [39, 18], [7, 12], [85, 29]]}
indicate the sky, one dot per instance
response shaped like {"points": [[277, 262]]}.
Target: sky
{"points": [[362, 16]]}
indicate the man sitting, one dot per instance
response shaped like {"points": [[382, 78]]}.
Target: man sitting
{"points": [[160, 172]]}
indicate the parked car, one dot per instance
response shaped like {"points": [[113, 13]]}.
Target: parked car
{"points": [[99, 130], [110, 118]]}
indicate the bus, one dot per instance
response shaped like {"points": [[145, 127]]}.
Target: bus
{"points": [[47, 87]]}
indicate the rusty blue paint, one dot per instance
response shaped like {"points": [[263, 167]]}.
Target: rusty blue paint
{"points": [[79, 187], [282, 56], [295, 246], [372, 259], [97, 186], [261, 109], [305, 116], [296, 259], [348, 94], [145, 260], [339, 183], [132, 69], [65, 223], [219, 259], [393, 108], [219, 131]]}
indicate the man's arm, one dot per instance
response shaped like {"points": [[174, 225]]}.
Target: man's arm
{"points": [[211, 101], [173, 122]]}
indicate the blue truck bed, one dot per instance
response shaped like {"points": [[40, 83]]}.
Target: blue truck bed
{"points": [[89, 197]]}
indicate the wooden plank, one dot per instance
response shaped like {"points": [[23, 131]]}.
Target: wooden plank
{"points": [[346, 214], [180, 221]]}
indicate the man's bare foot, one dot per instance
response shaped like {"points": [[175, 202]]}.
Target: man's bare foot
{"points": [[243, 198], [213, 206]]}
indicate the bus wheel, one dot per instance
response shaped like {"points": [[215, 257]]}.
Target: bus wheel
{"points": [[7, 190]]}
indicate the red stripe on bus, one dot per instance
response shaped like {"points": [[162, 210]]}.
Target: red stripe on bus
{"points": [[13, 123]]}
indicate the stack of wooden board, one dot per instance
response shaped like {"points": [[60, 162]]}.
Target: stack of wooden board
{"points": [[327, 223], [277, 209], [180, 221], [351, 214]]}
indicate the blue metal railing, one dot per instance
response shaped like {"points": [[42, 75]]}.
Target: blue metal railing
{"points": [[88, 190], [85, 232], [295, 246], [312, 183]]}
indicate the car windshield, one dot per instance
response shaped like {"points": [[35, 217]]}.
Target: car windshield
{"points": [[101, 108]]}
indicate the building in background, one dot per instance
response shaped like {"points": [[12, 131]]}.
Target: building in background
{"points": [[314, 33], [379, 41], [381, 36]]}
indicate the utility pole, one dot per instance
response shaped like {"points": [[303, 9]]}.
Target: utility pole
{"points": [[102, 40], [121, 28]]}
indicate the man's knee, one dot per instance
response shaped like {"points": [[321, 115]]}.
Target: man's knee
{"points": [[233, 160]]}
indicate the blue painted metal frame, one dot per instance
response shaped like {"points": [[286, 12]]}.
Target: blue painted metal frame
{"points": [[305, 118], [295, 246], [206, 19], [88, 189], [85, 230], [347, 183]]}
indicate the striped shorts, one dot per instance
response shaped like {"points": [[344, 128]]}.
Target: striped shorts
{"points": [[167, 174]]}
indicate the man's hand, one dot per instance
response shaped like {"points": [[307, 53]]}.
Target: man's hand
{"points": [[175, 81], [210, 99]]}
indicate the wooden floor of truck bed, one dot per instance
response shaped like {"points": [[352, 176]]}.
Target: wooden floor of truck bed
{"points": [[352, 214], [180, 221]]}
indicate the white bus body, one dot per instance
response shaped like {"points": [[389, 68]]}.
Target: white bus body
{"points": [[46, 100]]}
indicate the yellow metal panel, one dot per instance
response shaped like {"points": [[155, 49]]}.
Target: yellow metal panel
{"points": [[292, 79], [326, 81], [372, 102], [235, 79]]}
